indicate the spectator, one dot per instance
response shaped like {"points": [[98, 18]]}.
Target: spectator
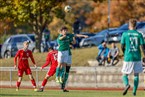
{"points": [[113, 54], [103, 53], [46, 39], [77, 26]]}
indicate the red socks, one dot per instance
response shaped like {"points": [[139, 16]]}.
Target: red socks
{"points": [[33, 82], [18, 84], [44, 82]]}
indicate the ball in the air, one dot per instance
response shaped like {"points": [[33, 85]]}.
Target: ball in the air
{"points": [[67, 8]]}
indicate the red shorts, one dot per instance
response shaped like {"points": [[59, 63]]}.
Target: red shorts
{"points": [[21, 71], [51, 71]]}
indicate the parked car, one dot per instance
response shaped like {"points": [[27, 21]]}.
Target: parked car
{"points": [[115, 36], [97, 39], [13, 43]]}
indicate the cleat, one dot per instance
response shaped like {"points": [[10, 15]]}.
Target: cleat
{"points": [[126, 89], [17, 89], [64, 90], [40, 90], [134, 94], [61, 80], [57, 80], [35, 90]]}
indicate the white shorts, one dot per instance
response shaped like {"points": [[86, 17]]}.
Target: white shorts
{"points": [[69, 60], [63, 57], [129, 67]]}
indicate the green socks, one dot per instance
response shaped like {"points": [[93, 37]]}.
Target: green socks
{"points": [[62, 72], [125, 80], [66, 78], [136, 81], [57, 71]]}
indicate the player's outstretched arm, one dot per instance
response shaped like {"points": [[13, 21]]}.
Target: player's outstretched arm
{"points": [[80, 35]]}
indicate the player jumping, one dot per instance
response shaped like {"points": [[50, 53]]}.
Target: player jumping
{"points": [[51, 59], [23, 65], [130, 43]]}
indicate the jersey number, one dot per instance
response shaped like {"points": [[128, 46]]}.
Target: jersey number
{"points": [[55, 56], [133, 43]]}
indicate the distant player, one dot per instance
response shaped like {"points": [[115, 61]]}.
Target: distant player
{"points": [[23, 65], [52, 60], [130, 43]]}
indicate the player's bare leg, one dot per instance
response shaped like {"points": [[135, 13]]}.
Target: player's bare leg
{"points": [[18, 83], [44, 83], [33, 82]]}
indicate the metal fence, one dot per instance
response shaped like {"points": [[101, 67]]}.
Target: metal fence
{"points": [[83, 76]]}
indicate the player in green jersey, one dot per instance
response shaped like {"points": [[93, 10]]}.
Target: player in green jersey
{"points": [[63, 53], [130, 42], [68, 66]]}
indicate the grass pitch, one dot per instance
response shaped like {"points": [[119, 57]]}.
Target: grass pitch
{"points": [[73, 93]]}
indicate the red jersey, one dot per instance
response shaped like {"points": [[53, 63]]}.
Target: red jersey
{"points": [[23, 58], [51, 58]]}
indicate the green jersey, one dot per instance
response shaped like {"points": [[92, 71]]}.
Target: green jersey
{"points": [[64, 43], [70, 39], [132, 41]]}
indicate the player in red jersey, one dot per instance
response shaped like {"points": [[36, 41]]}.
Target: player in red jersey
{"points": [[51, 59], [23, 65]]}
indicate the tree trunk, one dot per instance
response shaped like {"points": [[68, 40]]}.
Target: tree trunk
{"points": [[38, 38]]}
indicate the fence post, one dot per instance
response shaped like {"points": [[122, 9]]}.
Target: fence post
{"points": [[37, 77], [10, 77]]}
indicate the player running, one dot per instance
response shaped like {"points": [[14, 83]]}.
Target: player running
{"points": [[130, 43], [51, 59], [23, 65]]}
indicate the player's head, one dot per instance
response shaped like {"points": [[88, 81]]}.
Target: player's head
{"points": [[132, 24], [103, 43], [64, 30], [50, 49], [26, 44]]}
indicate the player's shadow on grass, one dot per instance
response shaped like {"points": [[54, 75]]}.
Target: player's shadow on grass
{"points": [[14, 95]]}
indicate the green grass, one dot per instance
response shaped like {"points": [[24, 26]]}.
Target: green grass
{"points": [[58, 93]]}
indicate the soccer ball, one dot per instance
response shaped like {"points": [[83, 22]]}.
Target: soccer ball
{"points": [[67, 8]]}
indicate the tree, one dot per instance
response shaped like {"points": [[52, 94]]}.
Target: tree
{"points": [[37, 13]]}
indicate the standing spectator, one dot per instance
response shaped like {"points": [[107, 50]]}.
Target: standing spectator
{"points": [[77, 26], [113, 54], [103, 53], [46, 39]]}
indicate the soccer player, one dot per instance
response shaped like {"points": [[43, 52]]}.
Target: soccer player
{"points": [[68, 66], [63, 53], [51, 59], [130, 43], [23, 65]]}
